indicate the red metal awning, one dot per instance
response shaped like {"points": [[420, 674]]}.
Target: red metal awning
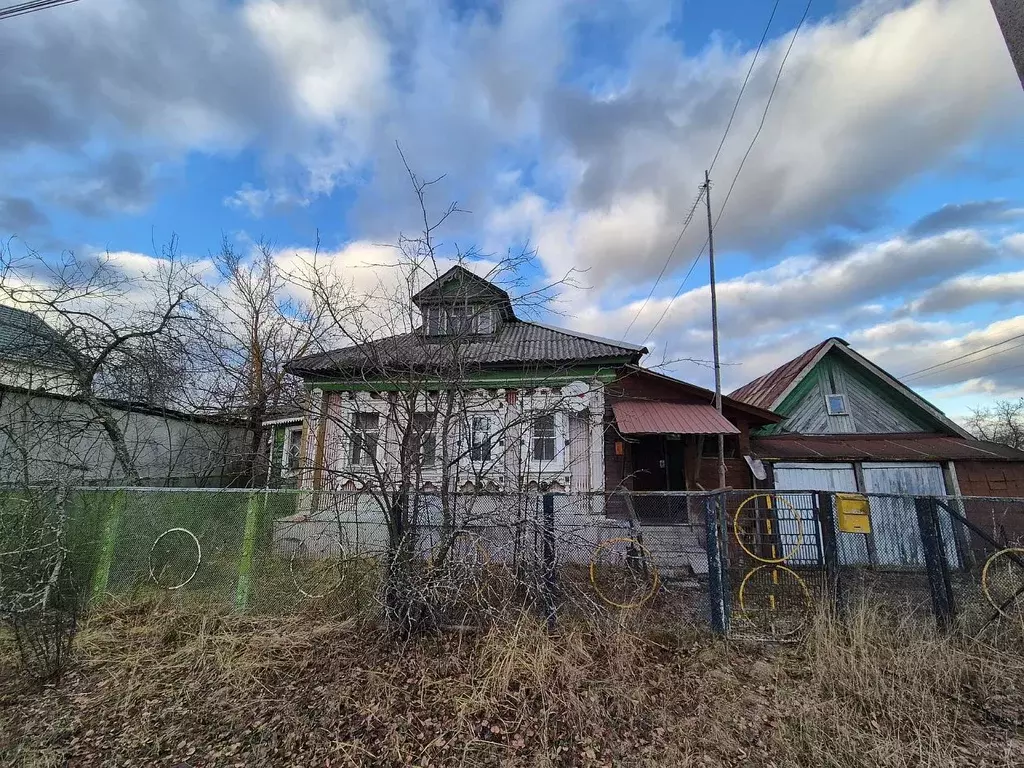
{"points": [[656, 418]]}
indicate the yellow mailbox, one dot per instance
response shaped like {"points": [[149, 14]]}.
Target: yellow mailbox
{"points": [[852, 513]]}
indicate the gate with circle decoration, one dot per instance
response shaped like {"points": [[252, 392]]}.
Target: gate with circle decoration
{"points": [[775, 561]]}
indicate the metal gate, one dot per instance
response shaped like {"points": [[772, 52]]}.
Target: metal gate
{"points": [[775, 561]]}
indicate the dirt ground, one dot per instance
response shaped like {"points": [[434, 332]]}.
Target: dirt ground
{"points": [[149, 686]]}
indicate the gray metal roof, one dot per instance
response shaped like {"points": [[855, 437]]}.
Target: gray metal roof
{"points": [[517, 342], [25, 337]]}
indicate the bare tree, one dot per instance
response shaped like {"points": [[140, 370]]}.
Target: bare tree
{"points": [[95, 326], [1000, 422], [409, 423], [255, 317]]}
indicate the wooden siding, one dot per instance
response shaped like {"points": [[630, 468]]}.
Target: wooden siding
{"points": [[872, 407]]}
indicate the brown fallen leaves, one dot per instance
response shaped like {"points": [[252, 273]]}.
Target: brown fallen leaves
{"points": [[157, 688]]}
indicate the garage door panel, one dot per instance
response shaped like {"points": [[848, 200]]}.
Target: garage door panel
{"points": [[894, 520], [837, 477]]}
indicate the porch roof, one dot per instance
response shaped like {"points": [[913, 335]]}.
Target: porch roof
{"points": [[647, 417]]}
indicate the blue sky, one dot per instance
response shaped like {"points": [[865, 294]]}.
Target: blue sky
{"points": [[883, 201]]}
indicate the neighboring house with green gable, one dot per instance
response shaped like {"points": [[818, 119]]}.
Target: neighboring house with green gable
{"points": [[848, 425]]}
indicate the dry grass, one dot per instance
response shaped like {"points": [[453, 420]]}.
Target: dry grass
{"points": [[159, 687]]}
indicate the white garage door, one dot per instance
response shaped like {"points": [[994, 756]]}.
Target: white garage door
{"points": [[894, 520], [823, 477]]}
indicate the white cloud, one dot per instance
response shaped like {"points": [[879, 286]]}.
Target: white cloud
{"points": [[256, 202], [967, 290], [866, 101]]}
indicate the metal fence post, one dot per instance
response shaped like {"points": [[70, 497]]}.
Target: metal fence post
{"points": [[249, 539], [111, 524], [830, 551], [549, 559], [717, 585], [935, 561]]}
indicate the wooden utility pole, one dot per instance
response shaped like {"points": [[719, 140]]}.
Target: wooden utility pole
{"points": [[714, 329]]}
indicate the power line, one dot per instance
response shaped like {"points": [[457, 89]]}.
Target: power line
{"points": [[743, 87], [696, 202], [736, 176], [22, 9], [664, 266], [940, 367]]}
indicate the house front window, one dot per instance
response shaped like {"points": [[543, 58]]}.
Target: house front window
{"points": [[365, 435], [544, 437], [291, 450], [425, 438], [480, 439]]}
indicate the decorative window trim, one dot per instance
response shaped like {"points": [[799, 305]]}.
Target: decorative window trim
{"points": [[489, 418], [352, 458], [558, 463], [292, 441]]}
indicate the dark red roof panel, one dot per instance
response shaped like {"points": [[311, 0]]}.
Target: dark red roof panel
{"points": [[905, 447], [765, 390], [654, 418]]}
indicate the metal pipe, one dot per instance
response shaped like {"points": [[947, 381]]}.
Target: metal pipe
{"points": [[714, 329]]}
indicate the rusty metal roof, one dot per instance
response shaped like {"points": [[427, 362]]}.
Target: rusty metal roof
{"points": [[645, 417], [901, 447], [765, 390]]}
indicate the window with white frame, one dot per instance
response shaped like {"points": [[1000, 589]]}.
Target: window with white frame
{"points": [[291, 450], [480, 438], [485, 321], [434, 318], [836, 405], [544, 437], [460, 321], [365, 436], [425, 438]]}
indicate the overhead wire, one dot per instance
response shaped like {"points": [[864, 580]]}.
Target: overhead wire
{"points": [[962, 364], [693, 208], [743, 87], [912, 374], [23, 9], [732, 185]]}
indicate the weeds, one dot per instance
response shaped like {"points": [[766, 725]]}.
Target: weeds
{"points": [[155, 685]]}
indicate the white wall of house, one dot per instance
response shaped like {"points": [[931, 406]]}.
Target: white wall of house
{"points": [[59, 439], [23, 375], [517, 454]]}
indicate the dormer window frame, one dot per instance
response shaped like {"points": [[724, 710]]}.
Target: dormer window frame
{"points": [[479, 318]]}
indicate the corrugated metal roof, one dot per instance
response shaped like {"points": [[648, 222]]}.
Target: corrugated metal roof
{"points": [[516, 342], [27, 337], [645, 417], [905, 447], [765, 390]]}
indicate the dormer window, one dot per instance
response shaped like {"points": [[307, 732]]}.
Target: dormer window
{"points": [[485, 321], [462, 320], [434, 319]]}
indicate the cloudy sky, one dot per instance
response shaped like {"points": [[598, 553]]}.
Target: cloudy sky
{"points": [[883, 199]]}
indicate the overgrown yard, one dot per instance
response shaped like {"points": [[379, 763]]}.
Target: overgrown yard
{"points": [[150, 686]]}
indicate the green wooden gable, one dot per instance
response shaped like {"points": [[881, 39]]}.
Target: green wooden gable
{"points": [[872, 404]]}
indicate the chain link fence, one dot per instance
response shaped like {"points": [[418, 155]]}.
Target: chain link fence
{"points": [[749, 563]]}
